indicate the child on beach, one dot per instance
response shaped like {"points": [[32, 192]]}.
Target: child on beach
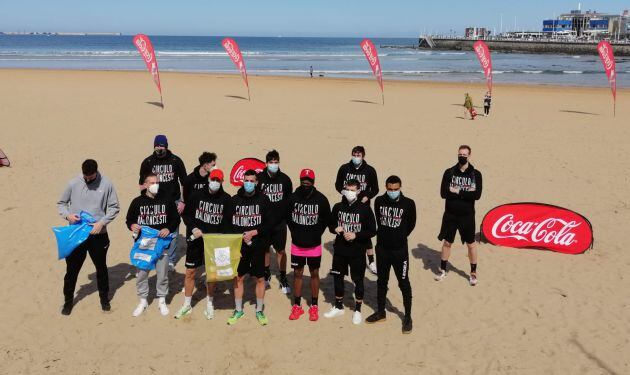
{"points": [[468, 104]]}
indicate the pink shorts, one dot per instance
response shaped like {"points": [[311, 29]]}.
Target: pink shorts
{"points": [[306, 251]]}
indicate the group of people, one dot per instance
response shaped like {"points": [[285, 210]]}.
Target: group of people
{"points": [[263, 210], [469, 108]]}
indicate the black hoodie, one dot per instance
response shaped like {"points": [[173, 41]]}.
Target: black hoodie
{"points": [[247, 213], [395, 219], [157, 213], [307, 217], [357, 218], [365, 174], [278, 189], [170, 171], [194, 182], [205, 211], [470, 185]]}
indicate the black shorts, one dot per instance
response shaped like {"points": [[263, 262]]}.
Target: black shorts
{"points": [[341, 263], [279, 237], [453, 223], [252, 262], [195, 253], [298, 262]]}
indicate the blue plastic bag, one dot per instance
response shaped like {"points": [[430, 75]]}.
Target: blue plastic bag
{"points": [[69, 237], [148, 248]]}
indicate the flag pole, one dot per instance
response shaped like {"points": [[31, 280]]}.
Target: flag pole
{"points": [[161, 101], [383, 97], [249, 98]]}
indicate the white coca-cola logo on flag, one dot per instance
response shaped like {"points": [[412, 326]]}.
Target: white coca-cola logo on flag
{"points": [[370, 55], [144, 52], [229, 48], [482, 56], [536, 225]]}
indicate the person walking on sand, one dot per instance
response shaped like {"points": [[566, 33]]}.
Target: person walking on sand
{"points": [[95, 194], [461, 187], [311, 71], [487, 101], [469, 107]]}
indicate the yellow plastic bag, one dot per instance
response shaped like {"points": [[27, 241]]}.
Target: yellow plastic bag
{"points": [[222, 254]]}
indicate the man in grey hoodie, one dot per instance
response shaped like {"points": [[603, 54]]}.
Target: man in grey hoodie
{"points": [[95, 194]]}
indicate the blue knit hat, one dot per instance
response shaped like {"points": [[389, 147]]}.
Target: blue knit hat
{"points": [[160, 140]]}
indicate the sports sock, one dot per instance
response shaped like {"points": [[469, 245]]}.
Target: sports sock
{"points": [[187, 301], [260, 302], [239, 304], [444, 265], [297, 300], [339, 303], [473, 267], [357, 306], [314, 301]]}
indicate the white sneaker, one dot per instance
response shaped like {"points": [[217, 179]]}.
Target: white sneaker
{"points": [[440, 276], [472, 280], [334, 312], [372, 267], [357, 318], [209, 312], [162, 306], [140, 308]]}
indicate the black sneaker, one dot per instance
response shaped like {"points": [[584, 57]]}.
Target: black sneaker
{"points": [[284, 286], [67, 308], [407, 325], [377, 317], [105, 305]]}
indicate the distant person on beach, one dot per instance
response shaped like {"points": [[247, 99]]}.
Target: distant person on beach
{"points": [[358, 169], [469, 107], [487, 102], [354, 225], [396, 219], [171, 173], [203, 214], [278, 187], [250, 214], [198, 179], [95, 194], [461, 187], [311, 71], [308, 214], [158, 211]]}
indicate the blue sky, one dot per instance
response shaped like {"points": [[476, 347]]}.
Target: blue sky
{"points": [[384, 18]]}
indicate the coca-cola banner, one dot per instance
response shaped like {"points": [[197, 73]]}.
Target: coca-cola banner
{"points": [[237, 57], [485, 59], [144, 46], [371, 54], [606, 54], [242, 166], [538, 226]]}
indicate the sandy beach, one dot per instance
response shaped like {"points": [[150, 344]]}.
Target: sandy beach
{"points": [[533, 312]]}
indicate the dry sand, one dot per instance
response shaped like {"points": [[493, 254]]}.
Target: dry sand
{"points": [[533, 312]]}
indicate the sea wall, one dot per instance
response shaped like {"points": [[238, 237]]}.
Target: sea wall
{"points": [[527, 47]]}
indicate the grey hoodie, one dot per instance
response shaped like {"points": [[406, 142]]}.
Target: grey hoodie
{"points": [[99, 199]]}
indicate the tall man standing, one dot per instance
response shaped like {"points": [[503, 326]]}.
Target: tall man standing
{"points": [[95, 194], [171, 172], [396, 219], [461, 187], [278, 187], [358, 169], [307, 216], [250, 214], [354, 225]]}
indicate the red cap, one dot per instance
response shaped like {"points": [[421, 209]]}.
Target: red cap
{"points": [[216, 173], [307, 173]]}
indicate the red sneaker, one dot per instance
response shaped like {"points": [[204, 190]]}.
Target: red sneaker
{"points": [[296, 312], [313, 313]]}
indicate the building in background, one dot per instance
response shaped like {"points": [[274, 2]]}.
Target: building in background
{"points": [[589, 25], [476, 33]]}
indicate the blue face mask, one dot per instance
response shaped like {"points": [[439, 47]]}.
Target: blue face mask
{"points": [[393, 195], [273, 167], [249, 186], [357, 160]]}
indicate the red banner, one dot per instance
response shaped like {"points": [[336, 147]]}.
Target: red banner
{"points": [[242, 166], [607, 55], [144, 46], [372, 57], [538, 226], [4, 160], [485, 59], [237, 57]]}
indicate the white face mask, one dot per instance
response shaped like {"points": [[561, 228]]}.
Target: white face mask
{"points": [[214, 186], [153, 189], [351, 196]]}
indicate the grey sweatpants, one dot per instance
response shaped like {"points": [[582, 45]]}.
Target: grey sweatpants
{"points": [[142, 279]]}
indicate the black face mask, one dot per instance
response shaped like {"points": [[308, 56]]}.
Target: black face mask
{"points": [[462, 160], [160, 153], [89, 181], [306, 190]]}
